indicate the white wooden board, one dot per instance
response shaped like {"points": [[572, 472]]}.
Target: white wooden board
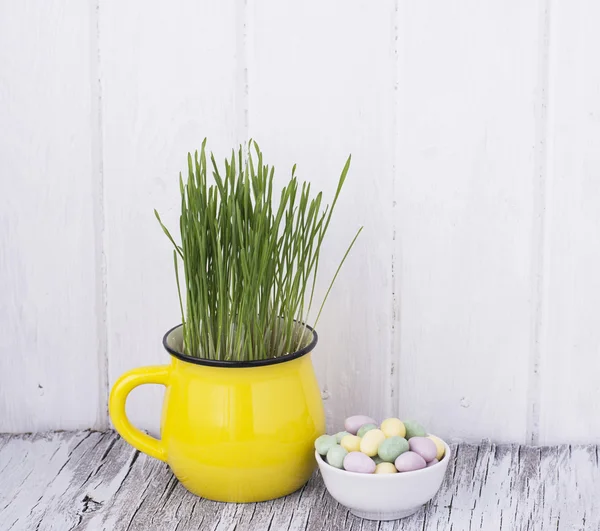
{"points": [[169, 74], [465, 188], [95, 481], [570, 368], [321, 87], [50, 374]]}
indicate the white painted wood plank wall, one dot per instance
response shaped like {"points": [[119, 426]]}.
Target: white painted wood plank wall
{"points": [[465, 189], [470, 299], [158, 101], [51, 366], [318, 93], [570, 364]]}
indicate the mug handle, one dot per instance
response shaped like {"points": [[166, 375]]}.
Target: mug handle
{"points": [[154, 374]]}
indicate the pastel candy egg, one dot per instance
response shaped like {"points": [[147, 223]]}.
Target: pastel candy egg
{"points": [[359, 462], [324, 443], [377, 459], [439, 444], [353, 424], [393, 427], [385, 468], [423, 446], [335, 456], [391, 448], [414, 429], [431, 463], [409, 461], [365, 428], [351, 443], [369, 444], [340, 435]]}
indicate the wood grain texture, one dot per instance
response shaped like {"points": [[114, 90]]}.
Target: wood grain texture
{"points": [[465, 188], [95, 481], [169, 76], [321, 87], [571, 362], [49, 375]]}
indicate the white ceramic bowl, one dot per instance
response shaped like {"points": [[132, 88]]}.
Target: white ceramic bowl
{"points": [[384, 496]]}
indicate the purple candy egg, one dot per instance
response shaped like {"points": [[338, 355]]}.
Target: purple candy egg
{"points": [[353, 424], [431, 463], [359, 462], [409, 461], [423, 446]]}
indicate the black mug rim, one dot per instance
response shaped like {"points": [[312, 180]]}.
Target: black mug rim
{"points": [[240, 364]]}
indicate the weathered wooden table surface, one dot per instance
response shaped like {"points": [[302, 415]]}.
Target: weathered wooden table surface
{"points": [[91, 480]]}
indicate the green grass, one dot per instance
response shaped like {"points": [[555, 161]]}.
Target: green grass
{"points": [[250, 260]]}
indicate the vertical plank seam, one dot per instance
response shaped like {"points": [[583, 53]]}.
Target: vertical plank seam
{"points": [[540, 226], [393, 367], [242, 84], [101, 288]]}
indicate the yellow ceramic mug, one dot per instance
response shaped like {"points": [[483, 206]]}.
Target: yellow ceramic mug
{"points": [[235, 432]]}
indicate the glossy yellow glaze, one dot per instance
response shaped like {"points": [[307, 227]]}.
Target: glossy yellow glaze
{"points": [[231, 434]]}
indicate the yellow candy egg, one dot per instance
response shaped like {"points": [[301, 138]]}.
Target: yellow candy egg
{"points": [[369, 444], [350, 443], [393, 427], [385, 468], [439, 445]]}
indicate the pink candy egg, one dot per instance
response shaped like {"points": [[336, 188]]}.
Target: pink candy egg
{"points": [[423, 446], [408, 461], [431, 463], [359, 462], [353, 424]]}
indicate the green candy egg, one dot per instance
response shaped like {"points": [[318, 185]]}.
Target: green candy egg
{"points": [[340, 435], [365, 428], [335, 456], [414, 429], [324, 443], [377, 459], [391, 448]]}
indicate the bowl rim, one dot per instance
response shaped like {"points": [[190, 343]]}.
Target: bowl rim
{"points": [[411, 473]]}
